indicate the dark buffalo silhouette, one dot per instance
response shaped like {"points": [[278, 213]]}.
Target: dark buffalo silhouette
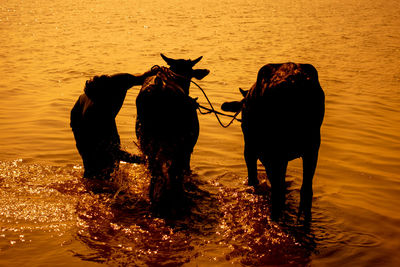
{"points": [[93, 123], [167, 128], [282, 115]]}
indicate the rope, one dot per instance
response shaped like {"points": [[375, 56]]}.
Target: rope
{"points": [[217, 112], [155, 68], [212, 110]]}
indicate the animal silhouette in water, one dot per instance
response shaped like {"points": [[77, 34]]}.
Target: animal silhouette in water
{"points": [[167, 129], [282, 114], [94, 127]]}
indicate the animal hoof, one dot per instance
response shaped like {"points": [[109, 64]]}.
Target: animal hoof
{"points": [[304, 210]]}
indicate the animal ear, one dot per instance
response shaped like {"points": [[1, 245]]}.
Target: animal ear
{"points": [[243, 92], [194, 62], [200, 73], [169, 61]]}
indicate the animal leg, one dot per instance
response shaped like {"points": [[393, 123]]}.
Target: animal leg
{"points": [[186, 164], [306, 193], [276, 172], [251, 163]]}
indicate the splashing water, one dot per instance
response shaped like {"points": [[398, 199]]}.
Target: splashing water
{"points": [[224, 224]]}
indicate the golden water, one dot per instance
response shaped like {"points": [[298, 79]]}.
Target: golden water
{"points": [[48, 49]]}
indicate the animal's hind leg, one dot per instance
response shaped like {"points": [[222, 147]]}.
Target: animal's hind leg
{"points": [[306, 193], [250, 157], [276, 172]]}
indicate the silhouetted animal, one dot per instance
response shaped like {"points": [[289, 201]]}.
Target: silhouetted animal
{"points": [[281, 118], [167, 128], [94, 127]]}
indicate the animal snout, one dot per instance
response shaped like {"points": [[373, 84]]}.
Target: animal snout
{"points": [[234, 106]]}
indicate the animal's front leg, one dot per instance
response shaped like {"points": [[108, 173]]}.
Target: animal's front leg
{"points": [[250, 157], [186, 164]]}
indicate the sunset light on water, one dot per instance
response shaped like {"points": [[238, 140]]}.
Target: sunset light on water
{"points": [[49, 49]]}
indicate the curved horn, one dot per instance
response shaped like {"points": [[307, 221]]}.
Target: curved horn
{"points": [[194, 62], [169, 61], [243, 92]]}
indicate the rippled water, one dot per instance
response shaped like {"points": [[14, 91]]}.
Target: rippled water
{"points": [[48, 49]]}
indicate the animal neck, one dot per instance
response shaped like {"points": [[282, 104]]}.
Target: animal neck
{"points": [[185, 84], [181, 80]]}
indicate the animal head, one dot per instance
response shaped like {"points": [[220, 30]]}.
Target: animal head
{"points": [[235, 106], [184, 67]]}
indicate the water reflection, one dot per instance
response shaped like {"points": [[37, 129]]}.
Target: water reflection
{"points": [[48, 207], [122, 229], [224, 224]]}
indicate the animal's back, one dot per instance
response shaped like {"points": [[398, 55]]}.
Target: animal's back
{"points": [[285, 108], [166, 117]]}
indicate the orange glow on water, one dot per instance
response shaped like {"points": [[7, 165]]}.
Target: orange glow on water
{"points": [[50, 48]]}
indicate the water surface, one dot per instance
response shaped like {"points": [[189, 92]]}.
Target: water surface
{"points": [[49, 49]]}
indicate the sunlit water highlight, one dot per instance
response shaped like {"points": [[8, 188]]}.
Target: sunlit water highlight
{"points": [[48, 49]]}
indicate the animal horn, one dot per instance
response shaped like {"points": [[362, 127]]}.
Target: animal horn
{"points": [[194, 62], [169, 61], [243, 92]]}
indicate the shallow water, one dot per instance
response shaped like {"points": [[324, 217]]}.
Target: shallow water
{"points": [[49, 49]]}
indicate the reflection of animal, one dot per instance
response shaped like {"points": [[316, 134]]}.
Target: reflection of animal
{"points": [[94, 127], [167, 126], [281, 118]]}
